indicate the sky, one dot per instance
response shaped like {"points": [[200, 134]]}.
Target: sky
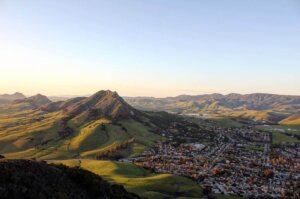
{"points": [[150, 47]]}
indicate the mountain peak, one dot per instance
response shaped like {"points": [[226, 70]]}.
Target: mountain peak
{"points": [[18, 95], [103, 93], [103, 103], [106, 103]]}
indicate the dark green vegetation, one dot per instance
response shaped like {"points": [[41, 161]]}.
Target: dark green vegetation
{"points": [[264, 107], [30, 179], [140, 181]]}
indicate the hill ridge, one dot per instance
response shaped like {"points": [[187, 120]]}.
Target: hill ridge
{"points": [[102, 103]]}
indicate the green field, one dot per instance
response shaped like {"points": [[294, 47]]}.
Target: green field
{"points": [[215, 120], [140, 181], [277, 133], [218, 196]]}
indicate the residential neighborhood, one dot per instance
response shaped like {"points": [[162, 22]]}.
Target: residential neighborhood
{"points": [[230, 161]]}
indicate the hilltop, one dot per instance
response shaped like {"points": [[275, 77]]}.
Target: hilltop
{"points": [[24, 104], [102, 103], [30, 179]]}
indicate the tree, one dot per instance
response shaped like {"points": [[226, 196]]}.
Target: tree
{"points": [[206, 191], [268, 173]]}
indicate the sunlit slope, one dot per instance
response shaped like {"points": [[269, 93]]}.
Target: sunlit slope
{"points": [[27, 130], [140, 181], [100, 126], [41, 139], [262, 115], [292, 120]]}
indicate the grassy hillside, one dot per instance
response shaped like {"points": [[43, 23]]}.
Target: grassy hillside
{"points": [[259, 115], [140, 181], [24, 136], [292, 120], [98, 126], [31, 179]]}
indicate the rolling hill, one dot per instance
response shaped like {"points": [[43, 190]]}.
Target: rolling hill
{"points": [[138, 180], [291, 120], [268, 107], [99, 126]]}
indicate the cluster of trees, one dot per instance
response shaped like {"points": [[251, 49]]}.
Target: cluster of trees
{"points": [[217, 171], [112, 152], [268, 173]]}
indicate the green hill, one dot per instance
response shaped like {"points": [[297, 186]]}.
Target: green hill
{"points": [[30, 179], [291, 120], [100, 126], [140, 181]]}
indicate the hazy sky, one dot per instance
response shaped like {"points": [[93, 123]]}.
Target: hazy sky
{"points": [[150, 47]]}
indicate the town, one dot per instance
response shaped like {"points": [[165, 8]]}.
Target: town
{"points": [[230, 161]]}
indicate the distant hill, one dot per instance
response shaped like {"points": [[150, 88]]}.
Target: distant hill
{"points": [[273, 107], [34, 101], [58, 98], [30, 179], [291, 120], [7, 98], [99, 126], [24, 104]]}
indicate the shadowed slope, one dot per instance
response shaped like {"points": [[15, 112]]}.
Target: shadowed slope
{"points": [[30, 179]]}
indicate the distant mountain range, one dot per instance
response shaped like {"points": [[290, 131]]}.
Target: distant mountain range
{"points": [[283, 109], [260, 106]]}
